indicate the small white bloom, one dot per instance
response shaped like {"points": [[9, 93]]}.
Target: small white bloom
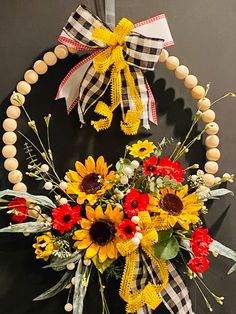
{"points": [[120, 195], [200, 173], [217, 180], [44, 168], [63, 201], [63, 185], [194, 177], [124, 179], [48, 186], [127, 171], [134, 164], [135, 219]]}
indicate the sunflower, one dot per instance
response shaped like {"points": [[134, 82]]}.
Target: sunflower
{"points": [[177, 207], [99, 233], [90, 180], [142, 149]]}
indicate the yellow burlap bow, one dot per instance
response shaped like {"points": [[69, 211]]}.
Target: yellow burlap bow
{"points": [[150, 294], [113, 56]]}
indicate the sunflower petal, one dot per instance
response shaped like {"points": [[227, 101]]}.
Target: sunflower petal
{"points": [[102, 254], [99, 213], [91, 198], [182, 192], [90, 213], [81, 245], [101, 166], [80, 235], [85, 224], [111, 250], [80, 168], [73, 176], [90, 164], [91, 251]]}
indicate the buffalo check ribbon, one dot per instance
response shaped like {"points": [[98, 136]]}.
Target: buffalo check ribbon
{"points": [[118, 60]]}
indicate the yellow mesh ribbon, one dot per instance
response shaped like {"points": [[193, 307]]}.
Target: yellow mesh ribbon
{"points": [[150, 294], [113, 56]]}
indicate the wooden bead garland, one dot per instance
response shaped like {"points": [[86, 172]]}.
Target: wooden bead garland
{"points": [[40, 67]]}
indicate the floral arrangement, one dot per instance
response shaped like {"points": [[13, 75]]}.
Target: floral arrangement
{"points": [[129, 220]]}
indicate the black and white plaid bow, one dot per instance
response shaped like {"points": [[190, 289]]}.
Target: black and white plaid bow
{"points": [[141, 53]]}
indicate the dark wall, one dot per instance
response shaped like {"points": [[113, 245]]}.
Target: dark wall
{"points": [[204, 33]]}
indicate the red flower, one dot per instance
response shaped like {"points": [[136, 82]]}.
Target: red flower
{"points": [[150, 166], [200, 241], [135, 202], [127, 229], [65, 217], [18, 204], [166, 167], [198, 264]]}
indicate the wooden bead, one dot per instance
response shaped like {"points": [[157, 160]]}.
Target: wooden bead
{"points": [[212, 128], [23, 87], [204, 104], [9, 151], [19, 187], [212, 141], [9, 124], [15, 176], [13, 112], [209, 179], [213, 154], [50, 58], [40, 67], [190, 81], [9, 138], [181, 72], [163, 56], [198, 92], [11, 164], [31, 76], [17, 99], [172, 63], [61, 51], [211, 167], [208, 116], [72, 50]]}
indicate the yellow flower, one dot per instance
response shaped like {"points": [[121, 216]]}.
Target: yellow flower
{"points": [[177, 207], [91, 180], [99, 234], [43, 246], [142, 149]]}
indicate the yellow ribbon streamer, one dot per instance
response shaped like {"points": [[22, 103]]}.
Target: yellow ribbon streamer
{"points": [[113, 56], [150, 294]]}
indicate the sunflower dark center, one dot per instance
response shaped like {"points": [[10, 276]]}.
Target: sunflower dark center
{"points": [[66, 218], [90, 183], [128, 230], [150, 168], [142, 149], [102, 232], [172, 204], [134, 204]]}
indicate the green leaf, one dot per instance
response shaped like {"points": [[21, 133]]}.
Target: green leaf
{"points": [[164, 235], [65, 280], [102, 266], [61, 263], [223, 250], [167, 249], [232, 269], [38, 199], [29, 227], [220, 192]]}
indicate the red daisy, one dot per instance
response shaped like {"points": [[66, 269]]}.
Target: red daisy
{"points": [[150, 166], [200, 241], [135, 202], [127, 229], [172, 169], [65, 217], [19, 204], [198, 264]]}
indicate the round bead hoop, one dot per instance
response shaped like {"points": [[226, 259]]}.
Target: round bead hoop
{"points": [[40, 67]]}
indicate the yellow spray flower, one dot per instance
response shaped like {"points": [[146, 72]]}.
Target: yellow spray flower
{"points": [[91, 180], [99, 234], [177, 207], [43, 246], [142, 149]]}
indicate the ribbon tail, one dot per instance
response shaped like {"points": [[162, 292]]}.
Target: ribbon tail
{"points": [[152, 113], [175, 295]]}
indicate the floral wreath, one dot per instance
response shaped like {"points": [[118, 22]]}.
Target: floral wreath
{"points": [[129, 221]]}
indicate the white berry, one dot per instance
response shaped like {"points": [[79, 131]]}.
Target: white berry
{"points": [[68, 307], [48, 186], [135, 240], [73, 280], [124, 179], [63, 185], [87, 262], [127, 170], [44, 168], [70, 266], [63, 201], [134, 164], [135, 219], [120, 195], [138, 235]]}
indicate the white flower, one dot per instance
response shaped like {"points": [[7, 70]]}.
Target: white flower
{"points": [[48, 186], [44, 168]]}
